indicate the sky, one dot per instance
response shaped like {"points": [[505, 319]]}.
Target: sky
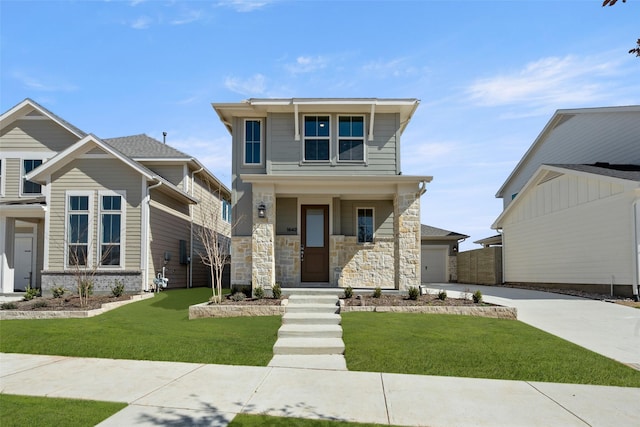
{"points": [[489, 74]]}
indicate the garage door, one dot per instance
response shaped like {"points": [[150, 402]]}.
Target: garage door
{"points": [[434, 264]]}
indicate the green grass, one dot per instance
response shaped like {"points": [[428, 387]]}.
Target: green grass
{"points": [[24, 411], [154, 329], [465, 346], [244, 420]]}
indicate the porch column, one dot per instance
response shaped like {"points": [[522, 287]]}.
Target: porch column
{"points": [[263, 237], [407, 227]]}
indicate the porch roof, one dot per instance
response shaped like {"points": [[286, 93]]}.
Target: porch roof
{"points": [[371, 186]]}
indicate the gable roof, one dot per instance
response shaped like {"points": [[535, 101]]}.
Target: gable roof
{"points": [[90, 142], [27, 107], [559, 117], [142, 146], [628, 173], [428, 232]]}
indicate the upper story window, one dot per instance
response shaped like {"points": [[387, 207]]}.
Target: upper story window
{"points": [[252, 142], [351, 138], [78, 211], [365, 225], [226, 211], [111, 223], [316, 138], [29, 187]]}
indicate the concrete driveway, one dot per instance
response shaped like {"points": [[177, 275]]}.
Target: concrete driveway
{"points": [[609, 329]]}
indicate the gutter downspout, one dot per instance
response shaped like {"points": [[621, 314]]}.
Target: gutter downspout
{"points": [[191, 207], [147, 232]]}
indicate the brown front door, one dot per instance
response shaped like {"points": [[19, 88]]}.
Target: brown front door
{"points": [[314, 246]]}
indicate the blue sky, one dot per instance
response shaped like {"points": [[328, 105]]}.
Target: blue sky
{"points": [[489, 74]]}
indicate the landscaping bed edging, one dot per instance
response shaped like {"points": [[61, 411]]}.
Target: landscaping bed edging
{"points": [[489, 311], [205, 310], [69, 314]]}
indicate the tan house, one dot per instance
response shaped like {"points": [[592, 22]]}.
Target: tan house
{"points": [[127, 208], [571, 215], [318, 194]]}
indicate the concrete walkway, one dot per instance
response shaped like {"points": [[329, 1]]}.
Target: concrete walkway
{"points": [[188, 394], [612, 330]]}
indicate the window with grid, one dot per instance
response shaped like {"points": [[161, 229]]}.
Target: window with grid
{"points": [[226, 211], [365, 225], [111, 229], [29, 187], [316, 138], [78, 230], [351, 138], [252, 142]]}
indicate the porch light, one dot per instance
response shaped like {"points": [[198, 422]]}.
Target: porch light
{"points": [[261, 210]]}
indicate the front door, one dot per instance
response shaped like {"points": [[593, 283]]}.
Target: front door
{"points": [[314, 246], [23, 263]]}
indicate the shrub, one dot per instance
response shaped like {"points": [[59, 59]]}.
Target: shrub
{"points": [[58, 291], [85, 288], [8, 305], [245, 289], [377, 292], [477, 297], [117, 289], [258, 292], [414, 292], [277, 291], [348, 292], [442, 295], [30, 293], [40, 304], [238, 296]]}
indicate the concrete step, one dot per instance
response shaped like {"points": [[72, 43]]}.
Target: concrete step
{"points": [[309, 331], [311, 318], [313, 291], [313, 299], [296, 346], [312, 308]]}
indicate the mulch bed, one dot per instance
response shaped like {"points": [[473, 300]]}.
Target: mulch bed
{"points": [[66, 303], [403, 300]]}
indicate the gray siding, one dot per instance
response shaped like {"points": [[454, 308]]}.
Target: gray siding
{"points": [[383, 215], [35, 135], [172, 173], [167, 229], [287, 216], [583, 139]]}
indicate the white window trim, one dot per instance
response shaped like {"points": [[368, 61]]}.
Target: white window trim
{"points": [[23, 174], [225, 210], [67, 196], [123, 220], [3, 174], [304, 139], [373, 219], [244, 142], [363, 137]]}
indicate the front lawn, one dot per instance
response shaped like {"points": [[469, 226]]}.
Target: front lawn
{"points": [[464, 346], [21, 411], [154, 329]]}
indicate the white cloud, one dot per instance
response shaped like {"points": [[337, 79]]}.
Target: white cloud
{"points": [[188, 17], [142, 23], [307, 64], [244, 5], [550, 82], [43, 83], [395, 68], [254, 85]]}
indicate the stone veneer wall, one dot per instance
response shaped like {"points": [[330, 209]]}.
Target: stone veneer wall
{"points": [[453, 268], [103, 281], [287, 260], [407, 228], [263, 240], [241, 260], [363, 266]]}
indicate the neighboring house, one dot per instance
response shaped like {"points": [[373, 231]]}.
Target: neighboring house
{"points": [[318, 193], [571, 214], [439, 254], [123, 207]]}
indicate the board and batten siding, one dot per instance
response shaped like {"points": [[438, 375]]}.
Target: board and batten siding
{"points": [[382, 214], [585, 138], [570, 230], [35, 135], [95, 175]]}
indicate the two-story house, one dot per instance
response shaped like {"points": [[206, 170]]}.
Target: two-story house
{"points": [[318, 193], [122, 209], [571, 215]]}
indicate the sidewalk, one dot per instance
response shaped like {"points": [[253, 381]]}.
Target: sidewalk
{"points": [[188, 394]]}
